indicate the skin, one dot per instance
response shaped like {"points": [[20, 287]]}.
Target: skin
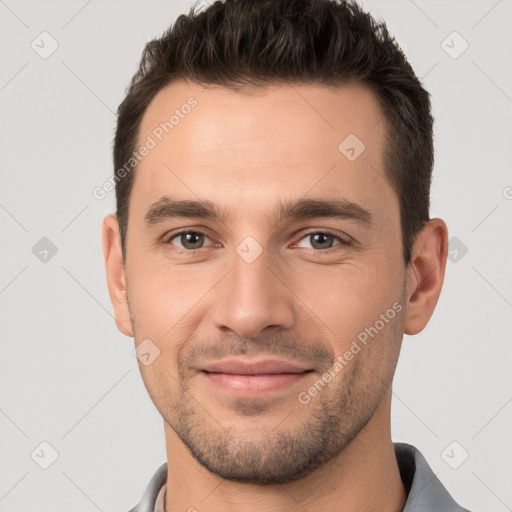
{"points": [[298, 300]]}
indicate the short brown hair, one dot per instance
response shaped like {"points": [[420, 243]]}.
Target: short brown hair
{"points": [[249, 43]]}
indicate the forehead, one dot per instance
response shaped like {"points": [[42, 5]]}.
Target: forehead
{"points": [[279, 140]]}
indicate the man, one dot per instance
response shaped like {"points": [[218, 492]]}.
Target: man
{"points": [[271, 246]]}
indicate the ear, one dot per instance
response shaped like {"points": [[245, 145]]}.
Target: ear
{"points": [[114, 267], [425, 274]]}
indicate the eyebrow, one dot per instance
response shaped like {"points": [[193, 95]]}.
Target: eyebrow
{"points": [[168, 208]]}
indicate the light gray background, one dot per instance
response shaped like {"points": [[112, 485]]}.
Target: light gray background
{"points": [[69, 378]]}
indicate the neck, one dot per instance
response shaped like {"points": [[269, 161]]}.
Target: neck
{"points": [[364, 476]]}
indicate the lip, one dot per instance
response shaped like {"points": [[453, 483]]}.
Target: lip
{"points": [[254, 385], [266, 366], [245, 379]]}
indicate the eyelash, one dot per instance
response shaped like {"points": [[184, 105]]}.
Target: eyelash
{"points": [[168, 239]]}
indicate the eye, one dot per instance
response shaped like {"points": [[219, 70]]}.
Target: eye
{"points": [[191, 240], [321, 240], [187, 240]]}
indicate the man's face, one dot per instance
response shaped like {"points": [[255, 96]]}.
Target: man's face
{"points": [[266, 282]]}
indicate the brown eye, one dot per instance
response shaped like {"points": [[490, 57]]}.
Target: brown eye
{"points": [[321, 240], [188, 240]]}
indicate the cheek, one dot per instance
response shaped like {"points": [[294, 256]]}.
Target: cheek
{"points": [[161, 296], [171, 303], [161, 381], [346, 300]]}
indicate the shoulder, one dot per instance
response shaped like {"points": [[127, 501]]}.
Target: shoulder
{"points": [[425, 490], [148, 500]]}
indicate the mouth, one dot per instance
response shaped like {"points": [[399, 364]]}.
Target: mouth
{"points": [[243, 378], [243, 385]]}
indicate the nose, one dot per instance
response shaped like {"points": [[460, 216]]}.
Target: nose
{"points": [[254, 297]]}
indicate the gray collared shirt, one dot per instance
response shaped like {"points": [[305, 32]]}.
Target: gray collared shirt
{"points": [[425, 492]]}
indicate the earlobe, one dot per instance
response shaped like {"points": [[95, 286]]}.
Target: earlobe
{"points": [[425, 275], [115, 273]]}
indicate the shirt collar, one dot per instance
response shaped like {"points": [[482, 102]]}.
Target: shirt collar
{"points": [[425, 490]]}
